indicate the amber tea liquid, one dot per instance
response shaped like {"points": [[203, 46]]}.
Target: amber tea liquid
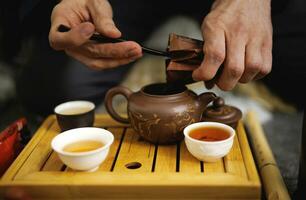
{"points": [[209, 134], [83, 146]]}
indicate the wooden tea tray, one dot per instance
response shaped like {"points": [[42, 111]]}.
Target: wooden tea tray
{"points": [[166, 172]]}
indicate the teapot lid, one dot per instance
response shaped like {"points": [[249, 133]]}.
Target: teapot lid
{"points": [[219, 112]]}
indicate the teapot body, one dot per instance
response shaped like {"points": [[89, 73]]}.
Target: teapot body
{"points": [[160, 117]]}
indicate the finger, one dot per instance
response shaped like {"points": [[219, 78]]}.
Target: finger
{"points": [[98, 63], [267, 63], [113, 50], [214, 55], [211, 83], [233, 66], [253, 62], [102, 15], [77, 35]]}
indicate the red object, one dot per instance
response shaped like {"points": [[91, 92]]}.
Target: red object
{"points": [[10, 144]]}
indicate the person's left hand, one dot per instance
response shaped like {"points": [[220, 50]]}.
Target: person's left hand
{"points": [[237, 33]]}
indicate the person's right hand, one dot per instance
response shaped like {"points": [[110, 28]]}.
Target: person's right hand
{"points": [[85, 17]]}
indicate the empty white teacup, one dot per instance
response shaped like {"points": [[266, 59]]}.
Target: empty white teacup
{"points": [[72, 150], [209, 151]]}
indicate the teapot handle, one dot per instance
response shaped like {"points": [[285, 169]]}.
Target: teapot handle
{"points": [[109, 102]]}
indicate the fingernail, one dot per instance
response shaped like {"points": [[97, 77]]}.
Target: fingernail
{"points": [[87, 31], [134, 58], [132, 53]]}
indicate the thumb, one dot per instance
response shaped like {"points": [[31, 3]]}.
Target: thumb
{"points": [[76, 36], [102, 15]]}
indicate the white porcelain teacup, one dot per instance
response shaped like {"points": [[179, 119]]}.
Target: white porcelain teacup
{"points": [[83, 158], [209, 151]]}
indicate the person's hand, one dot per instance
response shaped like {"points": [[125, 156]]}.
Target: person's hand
{"points": [[237, 33], [85, 17]]}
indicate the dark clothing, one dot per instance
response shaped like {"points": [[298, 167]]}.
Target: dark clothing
{"points": [[54, 77]]}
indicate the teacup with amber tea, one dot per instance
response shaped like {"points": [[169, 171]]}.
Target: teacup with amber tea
{"points": [[83, 149], [209, 141]]}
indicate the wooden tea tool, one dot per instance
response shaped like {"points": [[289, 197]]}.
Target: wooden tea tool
{"points": [[102, 39]]}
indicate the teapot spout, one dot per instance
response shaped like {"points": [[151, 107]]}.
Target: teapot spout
{"points": [[205, 98]]}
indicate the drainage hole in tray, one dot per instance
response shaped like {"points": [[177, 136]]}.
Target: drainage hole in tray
{"points": [[133, 165]]}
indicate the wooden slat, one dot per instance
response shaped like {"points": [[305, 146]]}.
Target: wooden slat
{"points": [[40, 154], [247, 154], [234, 162], [166, 158], [215, 167], [134, 150], [53, 163], [107, 121], [188, 163], [107, 164], [26, 152]]}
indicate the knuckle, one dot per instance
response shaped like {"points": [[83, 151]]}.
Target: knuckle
{"points": [[235, 71], [216, 55], [113, 53], [53, 43], [253, 66], [266, 70], [239, 29], [267, 45], [90, 48], [210, 22], [94, 51]]}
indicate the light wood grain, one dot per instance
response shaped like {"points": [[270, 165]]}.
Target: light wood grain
{"points": [[234, 162], [247, 154], [215, 167], [272, 180], [107, 121], [141, 186], [40, 175], [135, 150], [109, 161], [53, 163], [40, 154], [166, 158], [188, 163]]}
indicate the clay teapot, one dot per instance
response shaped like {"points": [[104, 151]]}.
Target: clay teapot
{"points": [[158, 112]]}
